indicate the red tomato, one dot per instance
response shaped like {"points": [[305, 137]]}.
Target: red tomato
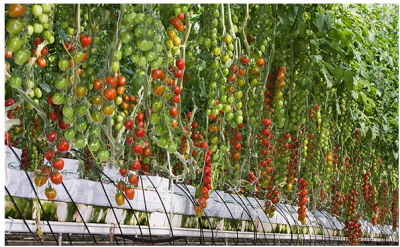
{"points": [[180, 63], [63, 147], [85, 40], [157, 74], [123, 171], [129, 124], [58, 164], [53, 116], [140, 116], [244, 59], [52, 136], [181, 16], [136, 166], [207, 179], [133, 180], [176, 99], [178, 73], [130, 193], [140, 133], [56, 177], [177, 90], [173, 111], [138, 149], [49, 154]]}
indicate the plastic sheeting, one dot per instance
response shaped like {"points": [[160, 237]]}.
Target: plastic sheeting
{"points": [[160, 196]]}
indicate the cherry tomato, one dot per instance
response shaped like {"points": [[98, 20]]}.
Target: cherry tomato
{"points": [[50, 193], [58, 164], [56, 177], [40, 180], [130, 193], [119, 199], [16, 10], [63, 147]]}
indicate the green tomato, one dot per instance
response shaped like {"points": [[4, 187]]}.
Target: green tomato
{"points": [[43, 18], [38, 28], [227, 108], [103, 155], [118, 55], [230, 116], [31, 94], [94, 145], [172, 147], [155, 118], [130, 17], [38, 93], [96, 116], [134, 58], [81, 126], [21, 56], [157, 106], [15, 81], [79, 142], [61, 83], [46, 7], [162, 142], [70, 134], [126, 37], [139, 18], [29, 30], [63, 64], [115, 66], [37, 10], [14, 26], [67, 111], [81, 110], [216, 51], [142, 61], [95, 131], [69, 119], [58, 98], [239, 119], [150, 55]]}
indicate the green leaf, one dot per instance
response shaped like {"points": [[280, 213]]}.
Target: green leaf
{"points": [[348, 77], [354, 94], [315, 58], [338, 74], [320, 22], [327, 76]]}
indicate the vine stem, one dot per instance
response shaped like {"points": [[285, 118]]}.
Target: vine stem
{"points": [[246, 17]]}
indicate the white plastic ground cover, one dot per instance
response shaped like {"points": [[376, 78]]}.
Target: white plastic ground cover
{"points": [[91, 192]]}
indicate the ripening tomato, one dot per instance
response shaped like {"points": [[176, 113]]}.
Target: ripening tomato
{"points": [[110, 93], [40, 180], [16, 10], [45, 51], [119, 199], [173, 111], [156, 74], [158, 90], [260, 62], [41, 61], [50, 193]]}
